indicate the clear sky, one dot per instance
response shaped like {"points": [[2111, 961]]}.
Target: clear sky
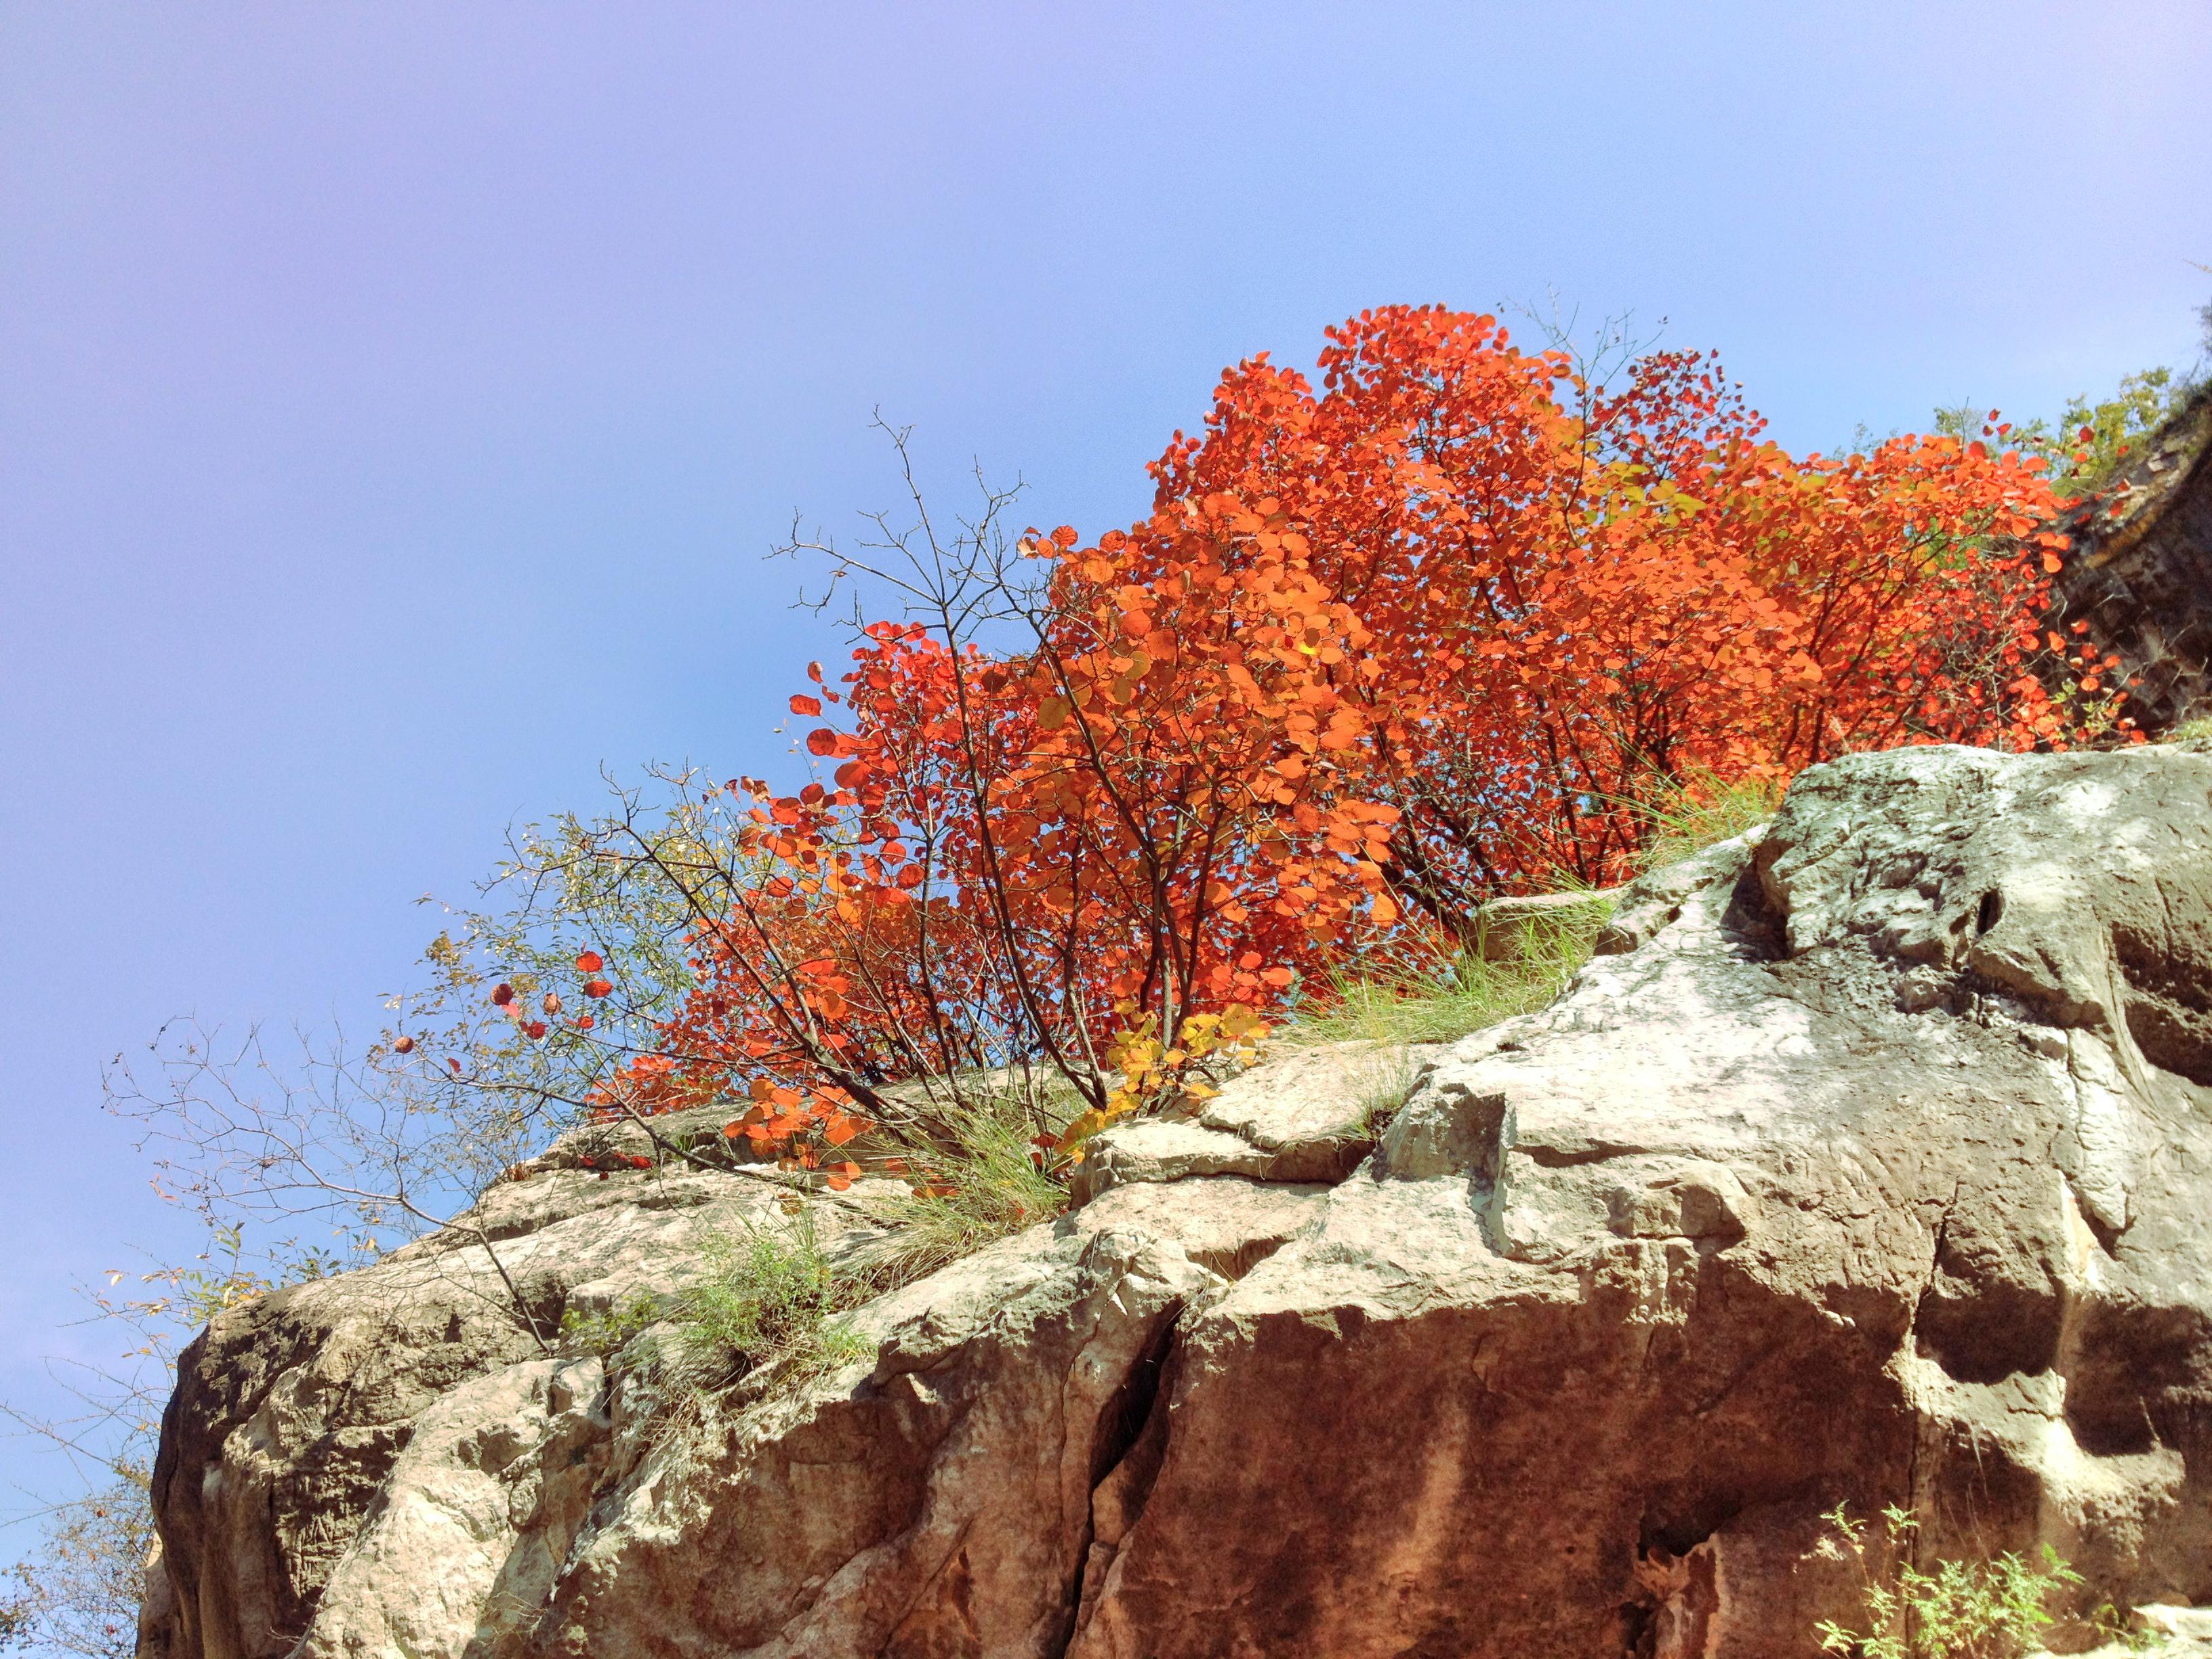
{"points": [[396, 400]]}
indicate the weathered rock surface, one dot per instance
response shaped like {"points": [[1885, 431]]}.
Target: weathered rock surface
{"points": [[1872, 1164], [1307, 1116], [2139, 572]]}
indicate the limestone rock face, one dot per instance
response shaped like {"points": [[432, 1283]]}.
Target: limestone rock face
{"points": [[1871, 1163]]}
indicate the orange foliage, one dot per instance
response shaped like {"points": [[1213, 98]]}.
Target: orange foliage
{"points": [[1381, 650]]}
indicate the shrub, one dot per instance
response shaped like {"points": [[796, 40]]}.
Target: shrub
{"points": [[1438, 625], [80, 1593], [1963, 1610], [605, 1333], [1437, 629], [2091, 440]]}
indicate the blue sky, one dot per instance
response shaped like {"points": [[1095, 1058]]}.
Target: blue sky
{"points": [[396, 400]]}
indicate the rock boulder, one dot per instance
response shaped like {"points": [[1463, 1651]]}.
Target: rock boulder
{"points": [[1871, 1163]]}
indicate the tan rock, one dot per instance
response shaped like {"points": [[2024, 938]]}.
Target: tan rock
{"points": [[1871, 1164]]}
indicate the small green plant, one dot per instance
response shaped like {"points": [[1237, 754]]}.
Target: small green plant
{"points": [[1440, 999], [2113, 1627], [603, 1333], [2195, 730], [1685, 819], [1963, 1610], [771, 1299]]}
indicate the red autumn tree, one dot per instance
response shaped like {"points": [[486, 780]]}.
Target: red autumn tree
{"points": [[1575, 594], [1432, 632]]}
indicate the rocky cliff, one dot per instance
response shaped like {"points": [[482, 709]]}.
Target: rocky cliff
{"points": [[1870, 1163], [2138, 572]]}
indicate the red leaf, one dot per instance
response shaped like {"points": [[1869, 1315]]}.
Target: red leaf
{"points": [[502, 995], [536, 1029], [803, 704], [589, 962], [598, 987], [404, 1046], [822, 741]]}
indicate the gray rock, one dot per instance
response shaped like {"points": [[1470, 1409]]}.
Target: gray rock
{"points": [[1500, 926], [1870, 1165], [1308, 1115]]}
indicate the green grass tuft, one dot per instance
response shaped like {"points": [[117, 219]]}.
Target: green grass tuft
{"points": [[1382, 1091], [1439, 1000], [974, 1181], [1685, 819]]}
